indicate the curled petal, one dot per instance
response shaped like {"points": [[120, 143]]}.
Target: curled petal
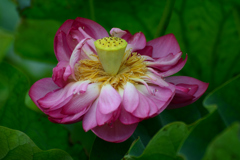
{"points": [[124, 34], [182, 96], [116, 32], [115, 132], [61, 73], [154, 79], [88, 50], [74, 118], [164, 45], [188, 90], [169, 60], [59, 97], [56, 116], [81, 101], [83, 50], [172, 70], [40, 88]]}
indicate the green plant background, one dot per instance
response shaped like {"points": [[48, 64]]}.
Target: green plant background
{"points": [[207, 30]]}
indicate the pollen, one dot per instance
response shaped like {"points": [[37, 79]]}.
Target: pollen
{"points": [[132, 67]]}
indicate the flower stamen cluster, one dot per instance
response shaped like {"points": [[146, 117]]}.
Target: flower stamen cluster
{"points": [[132, 67]]}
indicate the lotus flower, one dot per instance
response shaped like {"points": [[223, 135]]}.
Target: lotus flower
{"points": [[111, 83]]}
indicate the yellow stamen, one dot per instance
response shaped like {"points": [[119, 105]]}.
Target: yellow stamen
{"points": [[132, 66]]}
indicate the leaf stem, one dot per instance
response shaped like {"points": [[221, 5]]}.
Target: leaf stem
{"points": [[91, 9], [162, 26], [237, 20]]}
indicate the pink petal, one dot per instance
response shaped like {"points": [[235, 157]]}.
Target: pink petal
{"points": [[89, 119], [106, 118], [61, 48], [82, 51], [79, 34], [117, 32], [164, 45], [92, 28], [153, 107], [172, 70], [84, 28], [40, 88], [109, 99], [184, 81], [115, 132], [65, 27], [154, 79], [56, 114], [127, 118], [143, 108], [56, 97], [160, 96], [74, 118], [80, 102], [67, 73], [66, 120], [102, 118], [61, 73], [56, 106], [75, 57], [54, 120], [136, 42], [175, 68], [181, 97], [146, 51], [169, 60], [88, 50], [75, 36], [130, 97], [141, 81]]}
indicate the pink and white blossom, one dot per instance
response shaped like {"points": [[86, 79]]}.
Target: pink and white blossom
{"points": [[111, 112]]}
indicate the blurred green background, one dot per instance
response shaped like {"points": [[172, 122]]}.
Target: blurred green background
{"points": [[207, 30]]}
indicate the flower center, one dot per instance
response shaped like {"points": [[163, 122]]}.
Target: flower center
{"points": [[110, 51], [131, 68]]}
